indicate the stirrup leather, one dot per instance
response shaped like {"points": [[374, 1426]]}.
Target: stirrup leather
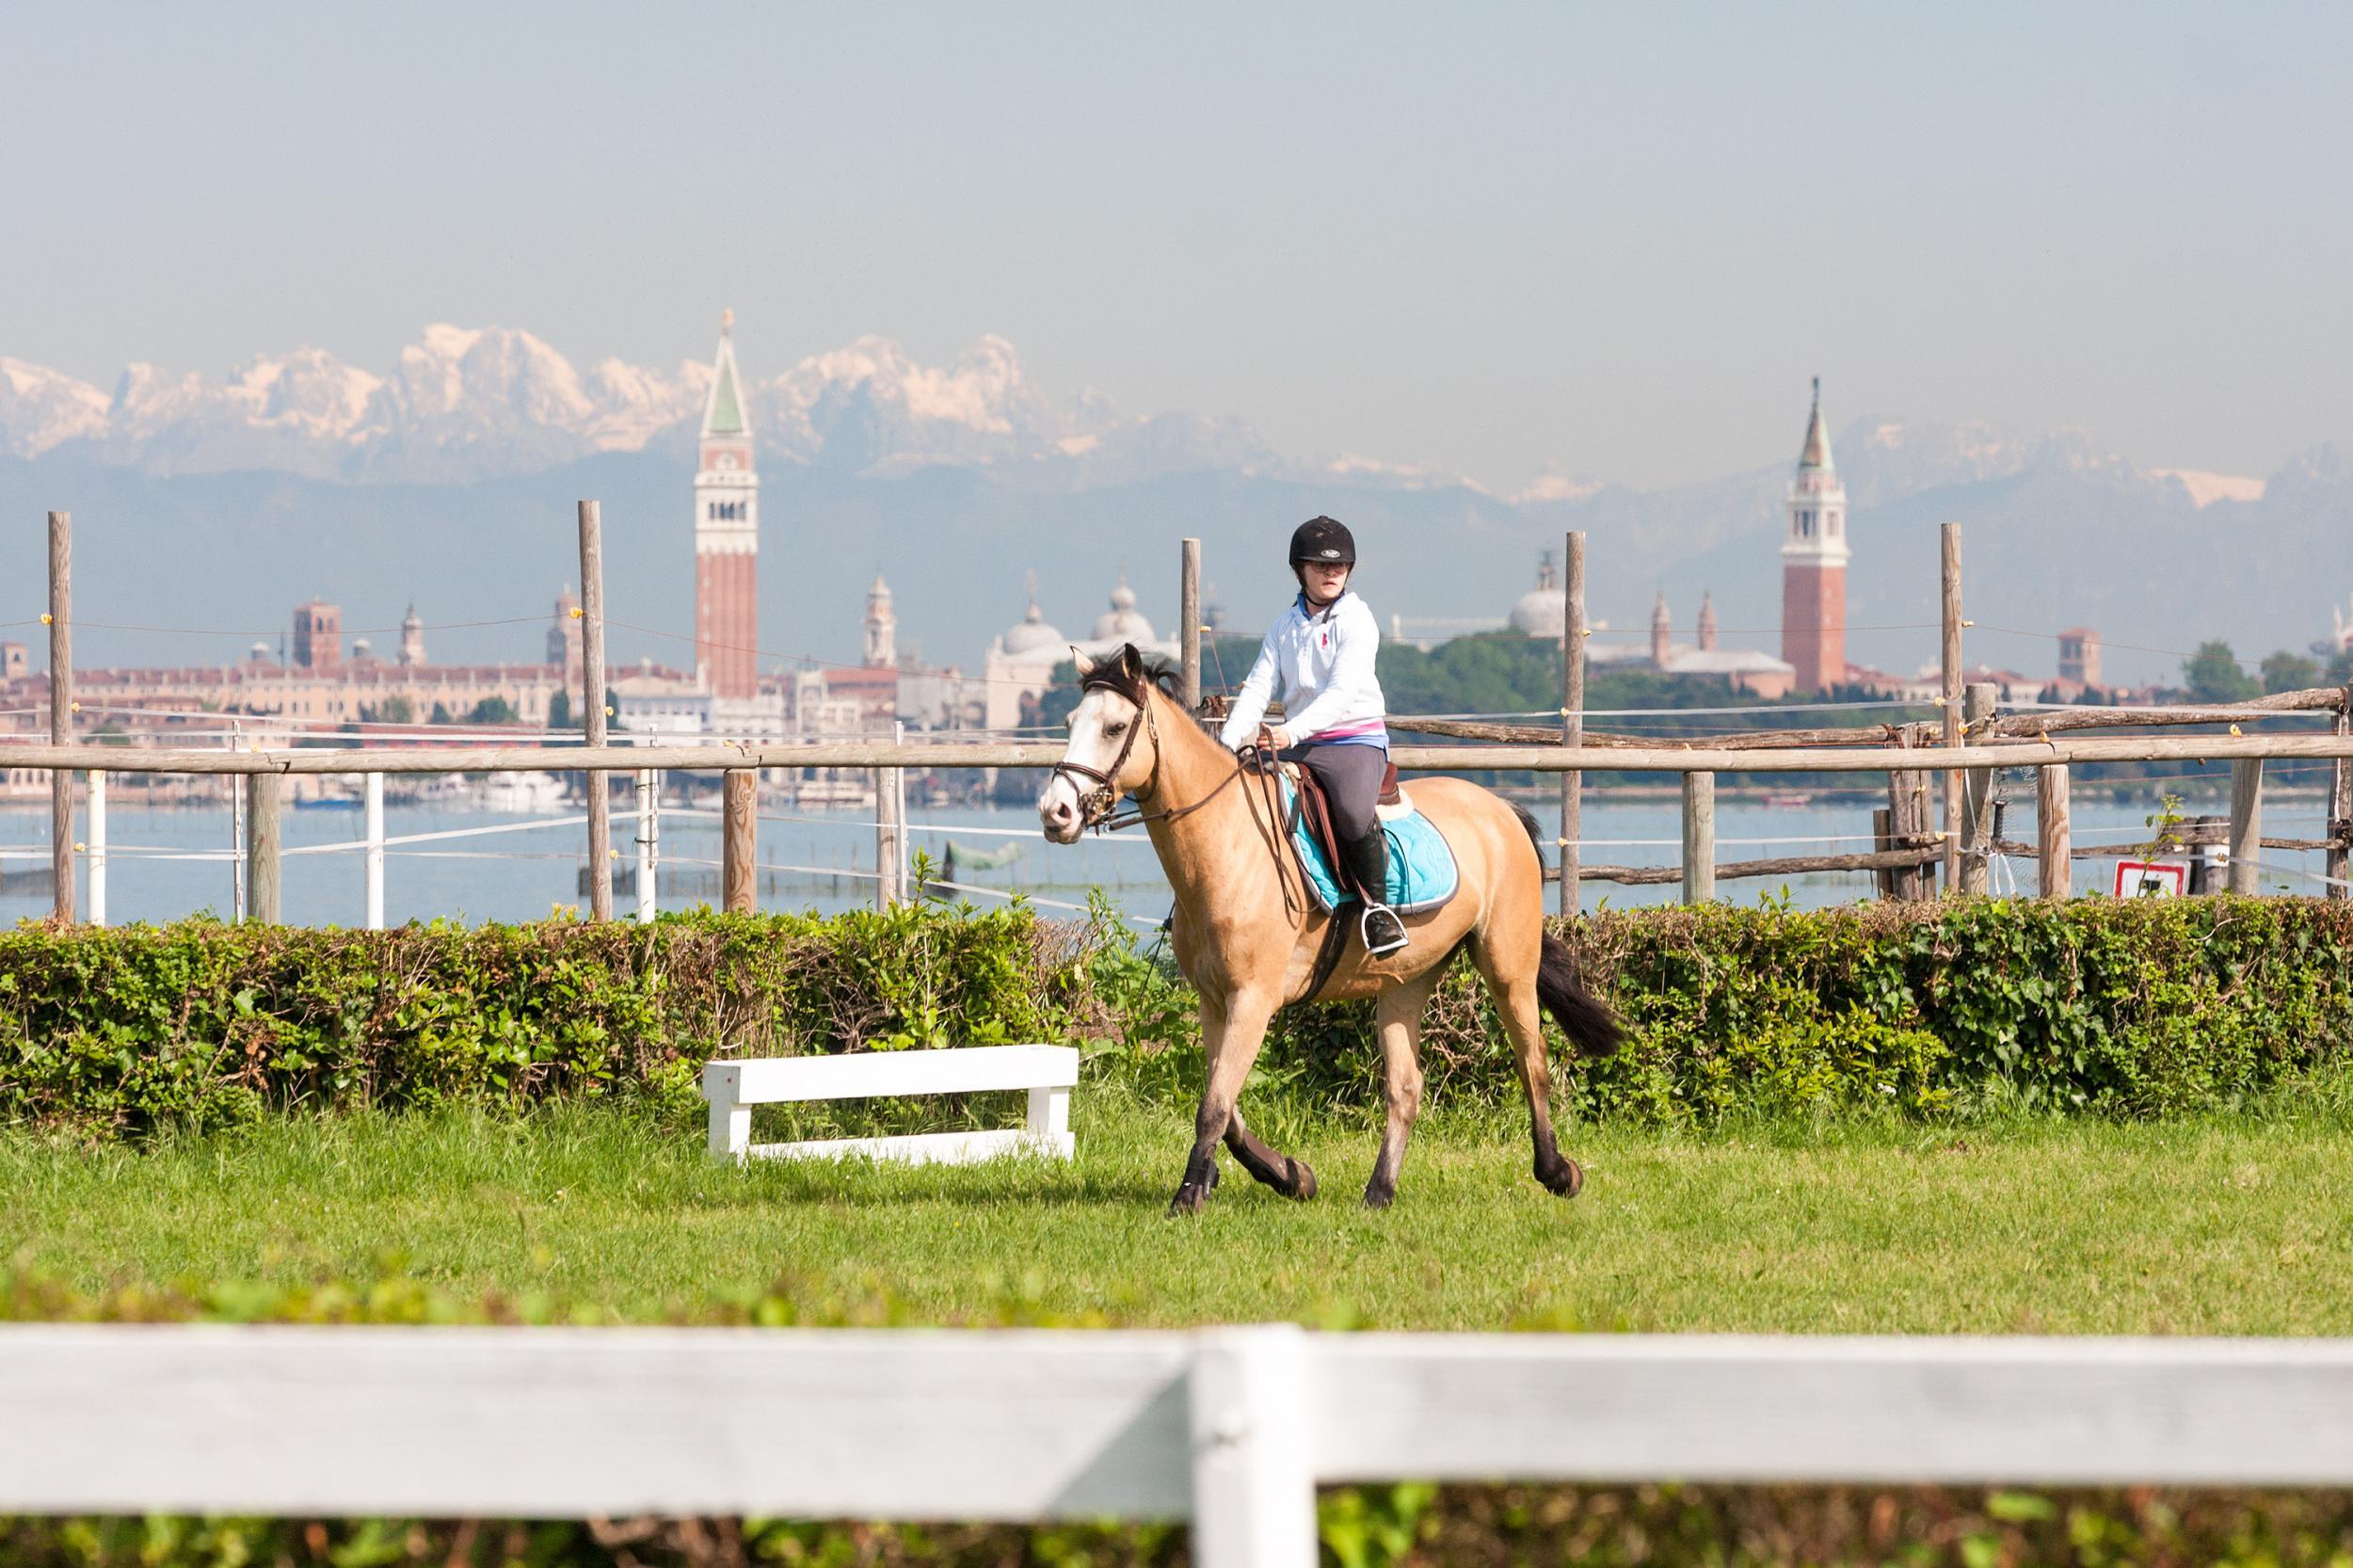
{"points": [[1398, 937]]}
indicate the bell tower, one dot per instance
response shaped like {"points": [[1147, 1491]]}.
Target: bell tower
{"points": [[726, 537], [1814, 564]]}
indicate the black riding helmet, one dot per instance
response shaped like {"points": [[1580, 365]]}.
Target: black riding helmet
{"points": [[1322, 539]]}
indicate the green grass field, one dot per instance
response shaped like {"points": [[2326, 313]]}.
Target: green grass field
{"points": [[2236, 1225]]}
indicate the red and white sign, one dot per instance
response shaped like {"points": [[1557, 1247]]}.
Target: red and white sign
{"points": [[2150, 878]]}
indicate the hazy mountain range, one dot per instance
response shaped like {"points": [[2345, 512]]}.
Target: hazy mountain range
{"points": [[449, 478]]}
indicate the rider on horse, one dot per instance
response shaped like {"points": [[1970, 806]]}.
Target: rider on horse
{"points": [[1320, 654]]}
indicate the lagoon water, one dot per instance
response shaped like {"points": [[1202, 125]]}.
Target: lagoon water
{"points": [[166, 863]]}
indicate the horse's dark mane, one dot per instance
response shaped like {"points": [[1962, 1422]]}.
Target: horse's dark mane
{"points": [[1128, 673]]}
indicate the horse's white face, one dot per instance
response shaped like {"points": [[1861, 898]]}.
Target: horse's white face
{"points": [[1100, 727]]}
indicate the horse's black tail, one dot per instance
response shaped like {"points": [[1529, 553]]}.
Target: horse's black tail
{"points": [[1585, 1019]]}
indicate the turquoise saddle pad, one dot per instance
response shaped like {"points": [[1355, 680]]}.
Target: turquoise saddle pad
{"points": [[1423, 873]]}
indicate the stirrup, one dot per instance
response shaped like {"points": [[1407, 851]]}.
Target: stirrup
{"points": [[1397, 926]]}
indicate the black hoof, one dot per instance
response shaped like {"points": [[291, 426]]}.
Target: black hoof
{"points": [[1192, 1195], [1561, 1177], [1380, 1194], [1303, 1182]]}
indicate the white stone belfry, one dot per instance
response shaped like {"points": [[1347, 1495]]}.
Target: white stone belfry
{"points": [[882, 626], [1817, 501], [726, 536]]}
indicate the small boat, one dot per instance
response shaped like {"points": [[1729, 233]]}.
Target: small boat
{"points": [[519, 791], [1788, 797], [329, 802]]}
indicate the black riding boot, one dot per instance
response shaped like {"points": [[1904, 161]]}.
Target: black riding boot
{"points": [[1368, 862]]}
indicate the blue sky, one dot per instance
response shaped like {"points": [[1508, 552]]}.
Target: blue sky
{"points": [[1617, 239]]}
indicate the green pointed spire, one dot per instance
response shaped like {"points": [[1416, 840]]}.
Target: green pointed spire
{"points": [[725, 416]]}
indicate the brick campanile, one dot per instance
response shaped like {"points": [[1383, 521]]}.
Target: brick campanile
{"points": [[1814, 564], [726, 537]]}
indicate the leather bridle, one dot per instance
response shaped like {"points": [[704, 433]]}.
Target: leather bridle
{"points": [[1099, 806]]}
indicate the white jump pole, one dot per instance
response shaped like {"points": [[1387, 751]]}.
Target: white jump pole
{"points": [[648, 840], [97, 847], [371, 786]]}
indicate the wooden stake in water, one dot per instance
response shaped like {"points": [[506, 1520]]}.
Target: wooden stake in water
{"points": [[1571, 715], [592, 707], [1950, 536], [61, 710], [1189, 619], [2340, 862]]}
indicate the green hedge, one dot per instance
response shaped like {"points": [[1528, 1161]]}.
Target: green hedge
{"points": [[2141, 1008], [209, 1024]]}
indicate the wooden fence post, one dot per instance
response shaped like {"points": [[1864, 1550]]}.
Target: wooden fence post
{"points": [[739, 801], [1976, 821], [61, 711], [1189, 619], [1949, 534], [1571, 714], [2340, 808], [2247, 822], [1884, 840], [1911, 818], [1699, 837], [2053, 832], [592, 707], [261, 839]]}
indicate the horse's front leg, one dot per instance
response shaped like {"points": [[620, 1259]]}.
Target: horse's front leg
{"points": [[1231, 1035]]}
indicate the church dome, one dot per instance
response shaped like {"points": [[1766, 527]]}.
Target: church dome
{"points": [[1032, 634], [1543, 610], [1122, 624]]}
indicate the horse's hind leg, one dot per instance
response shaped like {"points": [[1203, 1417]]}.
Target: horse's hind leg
{"points": [[1291, 1177], [1398, 1019], [1513, 987]]}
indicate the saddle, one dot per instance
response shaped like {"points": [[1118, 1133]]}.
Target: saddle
{"points": [[1315, 812]]}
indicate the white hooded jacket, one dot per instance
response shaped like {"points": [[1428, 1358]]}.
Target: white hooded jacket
{"points": [[1323, 667]]}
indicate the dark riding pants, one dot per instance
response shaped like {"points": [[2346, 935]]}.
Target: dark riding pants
{"points": [[1351, 776]]}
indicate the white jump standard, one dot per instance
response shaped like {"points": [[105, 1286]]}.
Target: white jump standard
{"points": [[1048, 1072]]}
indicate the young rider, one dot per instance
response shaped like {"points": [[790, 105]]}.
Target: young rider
{"points": [[1320, 654]]}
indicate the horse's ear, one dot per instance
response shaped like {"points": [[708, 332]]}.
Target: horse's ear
{"points": [[1086, 666], [1132, 659]]}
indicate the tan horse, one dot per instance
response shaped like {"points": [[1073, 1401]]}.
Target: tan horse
{"points": [[1248, 938]]}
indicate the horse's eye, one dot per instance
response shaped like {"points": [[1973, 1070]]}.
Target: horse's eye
{"points": [[1114, 732]]}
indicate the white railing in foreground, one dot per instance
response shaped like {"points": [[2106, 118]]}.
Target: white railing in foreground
{"points": [[1230, 1428]]}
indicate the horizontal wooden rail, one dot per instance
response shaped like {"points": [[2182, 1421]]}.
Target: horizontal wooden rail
{"points": [[1787, 865], [1230, 1428], [2035, 724], [952, 754]]}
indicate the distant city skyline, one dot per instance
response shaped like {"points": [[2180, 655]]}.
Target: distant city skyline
{"points": [[1493, 242]]}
